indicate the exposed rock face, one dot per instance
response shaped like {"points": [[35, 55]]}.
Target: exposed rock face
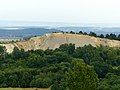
{"points": [[54, 40]]}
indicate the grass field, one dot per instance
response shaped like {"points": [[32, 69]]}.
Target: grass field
{"points": [[24, 89]]}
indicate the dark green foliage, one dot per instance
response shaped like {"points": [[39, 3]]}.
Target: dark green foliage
{"points": [[69, 48], [113, 36], [80, 32], [17, 54], [72, 32], [2, 52], [41, 82], [88, 53], [82, 77], [34, 61], [47, 68], [107, 36], [119, 37], [102, 68], [93, 34], [60, 86], [110, 82], [101, 36]]}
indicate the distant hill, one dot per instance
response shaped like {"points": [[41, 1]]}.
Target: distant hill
{"points": [[54, 40], [24, 32]]}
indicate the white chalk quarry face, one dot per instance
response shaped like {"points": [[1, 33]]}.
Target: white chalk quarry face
{"points": [[54, 40], [9, 47]]}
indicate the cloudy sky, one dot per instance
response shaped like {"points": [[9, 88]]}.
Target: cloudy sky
{"points": [[72, 11]]}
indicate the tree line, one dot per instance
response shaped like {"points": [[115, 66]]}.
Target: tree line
{"points": [[107, 36]]}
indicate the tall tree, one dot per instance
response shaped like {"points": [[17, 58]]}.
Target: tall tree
{"points": [[101, 36], [93, 34], [82, 77]]}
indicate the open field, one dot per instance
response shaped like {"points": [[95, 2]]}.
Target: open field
{"points": [[24, 89]]}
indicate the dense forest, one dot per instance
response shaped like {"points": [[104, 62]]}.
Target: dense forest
{"points": [[65, 68]]}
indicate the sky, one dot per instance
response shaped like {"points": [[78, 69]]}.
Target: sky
{"points": [[69, 11]]}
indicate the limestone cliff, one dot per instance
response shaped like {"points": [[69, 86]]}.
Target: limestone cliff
{"points": [[54, 40]]}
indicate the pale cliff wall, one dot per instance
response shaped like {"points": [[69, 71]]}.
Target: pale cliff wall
{"points": [[54, 40]]}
